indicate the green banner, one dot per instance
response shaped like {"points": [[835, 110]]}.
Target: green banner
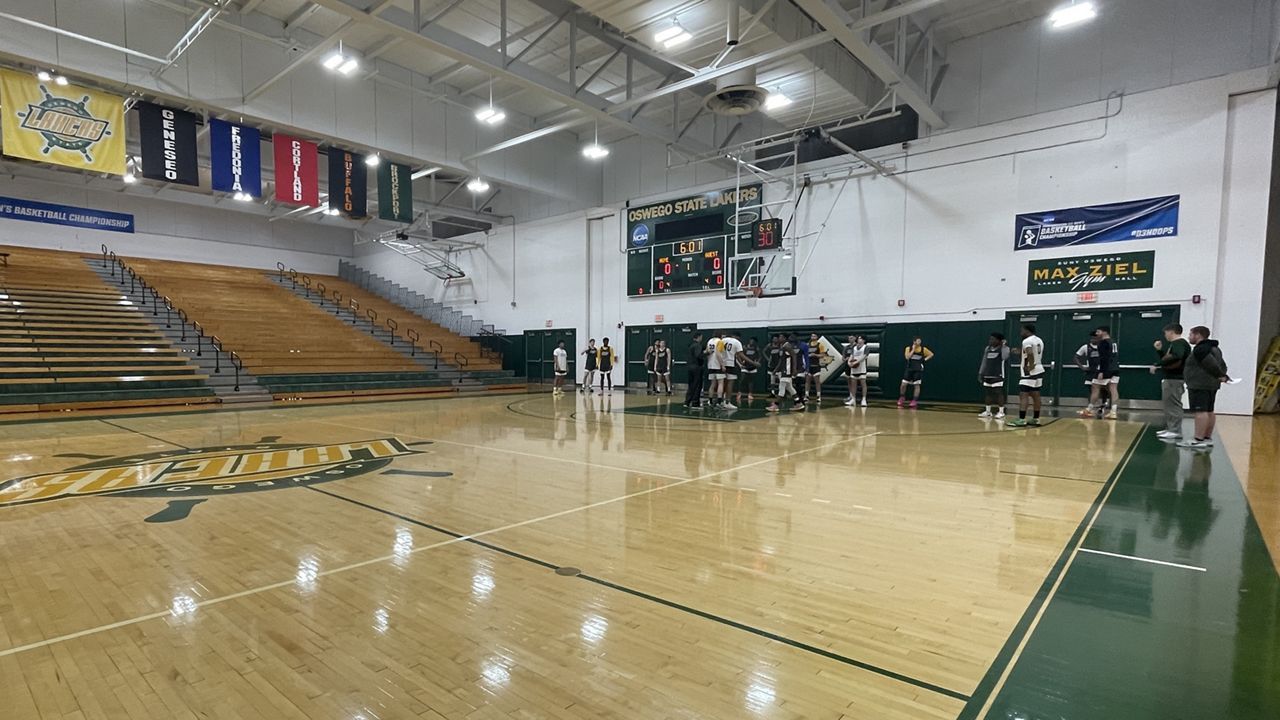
{"points": [[1112, 271], [395, 192]]}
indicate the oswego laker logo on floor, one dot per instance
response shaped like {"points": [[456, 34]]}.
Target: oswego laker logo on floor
{"points": [[206, 472]]}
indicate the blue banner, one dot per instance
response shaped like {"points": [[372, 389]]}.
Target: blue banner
{"points": [[235, 152], [1116, 222], [33, 211]]}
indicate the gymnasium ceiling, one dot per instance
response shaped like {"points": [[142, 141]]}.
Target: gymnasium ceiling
{"points": [[561, 75]]}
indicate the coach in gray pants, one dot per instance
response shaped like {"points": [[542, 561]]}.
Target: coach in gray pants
{"points": [[1173, 352]]}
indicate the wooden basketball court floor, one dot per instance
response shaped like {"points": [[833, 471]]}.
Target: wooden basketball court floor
{"points": [[589, 557]]}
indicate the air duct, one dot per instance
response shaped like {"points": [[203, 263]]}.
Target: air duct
{"points": [[736, 94]]}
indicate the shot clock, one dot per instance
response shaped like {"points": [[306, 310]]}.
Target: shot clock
{"points": [[766, 235]]}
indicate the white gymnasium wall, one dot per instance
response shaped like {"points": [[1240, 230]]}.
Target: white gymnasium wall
{"points": [[939, 233], [177, 231]]}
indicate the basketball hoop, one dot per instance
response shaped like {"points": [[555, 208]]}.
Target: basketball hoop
{"points": [[753, 295]]}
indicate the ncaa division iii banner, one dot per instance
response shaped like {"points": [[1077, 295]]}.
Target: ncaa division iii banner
{"points": [[297, 178], [235, 152], [395, 192], [1113, 222], [168, 139], [64, 125], [348, 183]]}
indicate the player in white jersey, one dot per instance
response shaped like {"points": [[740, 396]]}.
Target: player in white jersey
{"points": [[561, 368], [735, 361], [1032, 380], [715, 368], [855, 358]]}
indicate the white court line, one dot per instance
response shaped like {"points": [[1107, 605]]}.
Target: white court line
{"points": [[1145, 560], [442, 543]]}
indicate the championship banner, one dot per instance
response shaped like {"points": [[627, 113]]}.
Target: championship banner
{"points": [[1118, 271], [236, 155], [64, 125], [168, 140], [395, 192], [348, 183], [297, 179], [1116, 222], [70, 215]]}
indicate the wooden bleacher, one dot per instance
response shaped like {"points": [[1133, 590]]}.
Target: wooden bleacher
{"points": [[453, 344], [68, 341]]}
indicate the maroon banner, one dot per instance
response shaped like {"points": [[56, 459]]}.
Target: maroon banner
{"points": [[297, 176]]}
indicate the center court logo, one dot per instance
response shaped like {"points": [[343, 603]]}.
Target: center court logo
{"points": [[208, 472], [65, 124]]}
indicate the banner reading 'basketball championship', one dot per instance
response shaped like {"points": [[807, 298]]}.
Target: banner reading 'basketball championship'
{"points": [[65, 125], [297, 179]]}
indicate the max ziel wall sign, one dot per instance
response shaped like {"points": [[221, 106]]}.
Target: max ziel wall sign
{"points": [[1114, 271]]}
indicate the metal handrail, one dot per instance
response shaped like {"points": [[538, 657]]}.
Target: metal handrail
{"points": [[306, 280], [320, 288], [293, 277], [354, 306], [436, 348], [414, 336], [280, 267], [394, 327], [461, 359], [372, 315]]}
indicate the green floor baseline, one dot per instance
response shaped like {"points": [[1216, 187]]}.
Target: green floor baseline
{"points": [[1134, 640]]}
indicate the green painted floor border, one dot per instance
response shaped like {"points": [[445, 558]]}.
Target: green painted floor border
{"points": [[982, 693]]}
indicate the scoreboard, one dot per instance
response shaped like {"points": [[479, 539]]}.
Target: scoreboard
{"points": [[684, 245]]}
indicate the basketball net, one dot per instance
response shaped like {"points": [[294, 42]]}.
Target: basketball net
{"points": [[753, 295]]}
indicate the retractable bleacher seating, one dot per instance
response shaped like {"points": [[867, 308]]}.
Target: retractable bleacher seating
{"points": [[68, 341], [288, 344]]}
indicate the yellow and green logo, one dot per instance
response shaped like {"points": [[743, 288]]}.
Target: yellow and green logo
{"points": [[65, 124]]}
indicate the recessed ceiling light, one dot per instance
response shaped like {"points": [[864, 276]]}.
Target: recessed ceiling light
{"points": [[478, 185], [1073, 14], [672, 35]]}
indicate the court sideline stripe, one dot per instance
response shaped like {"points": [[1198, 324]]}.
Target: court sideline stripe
{"points": [[799, 645], [1135, 558], [145, 435], [387, 558], [993, 680]]}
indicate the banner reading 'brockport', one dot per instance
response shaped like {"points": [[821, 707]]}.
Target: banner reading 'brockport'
{"points": [[395, 192], [1115, 222], [62, 124]]}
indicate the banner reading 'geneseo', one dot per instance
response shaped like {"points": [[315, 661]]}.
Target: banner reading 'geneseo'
{"points": [[1114, 222], [66, 125], [168, 140]]}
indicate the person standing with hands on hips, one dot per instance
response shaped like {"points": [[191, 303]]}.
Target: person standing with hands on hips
{"points": [[916, 355], [1172, 353]]}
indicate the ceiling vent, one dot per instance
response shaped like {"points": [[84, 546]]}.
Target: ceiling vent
{"points": [[737, 94]]}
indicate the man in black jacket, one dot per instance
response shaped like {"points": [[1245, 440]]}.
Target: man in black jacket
{"points": [[694, 364], [1204, 372], [1172, 353]]}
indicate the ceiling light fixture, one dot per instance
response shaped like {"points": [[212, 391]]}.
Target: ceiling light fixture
{"points": [[424, 172], [673, 35], [1073, 14], [595, 151], [372, 160], [489, 114], [331, 211], [478, 185], [242, 197], [60, 80], [340, 62], [777, 99], [129, 178], [44, 76]]}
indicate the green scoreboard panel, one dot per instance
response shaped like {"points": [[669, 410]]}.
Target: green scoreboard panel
{"points": [[684, 245]]}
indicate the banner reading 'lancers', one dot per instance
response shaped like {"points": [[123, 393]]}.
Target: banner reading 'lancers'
{"points": [[61, 124], [348, 183], [236, 155], [395, 192], [1114, 222], [168, 139], [297, 178]]}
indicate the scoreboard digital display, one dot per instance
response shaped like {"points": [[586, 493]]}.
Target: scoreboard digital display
{"points": [[680, 266], [684, 245]]}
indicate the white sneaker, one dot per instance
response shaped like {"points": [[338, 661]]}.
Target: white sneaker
{"points": [[1000, 415], [1196, 444], [729, 406], [984, 414], [1167, 433], [864, 402], [848, 401]]}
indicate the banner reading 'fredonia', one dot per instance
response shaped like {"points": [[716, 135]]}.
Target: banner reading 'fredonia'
{"points": [[1115, 222], [168, 139], [62, 124], [297, 181], [236, 155]]}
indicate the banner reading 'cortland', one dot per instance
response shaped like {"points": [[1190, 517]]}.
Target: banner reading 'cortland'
{"points": [[65, 125], [297, 179]]}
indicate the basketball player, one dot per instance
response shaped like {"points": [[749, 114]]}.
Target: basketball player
{"points": [[695, 363], [648, 367], [1032, 354], [715, 368], [995, 356], [732, 359], [1108, 373], [662, 367], [855, 357], [802, 367], [590, 374], [916, 355], [561, 368], [605, 358], [774, 357], [790, 367], [813, 368], [749, 369]]}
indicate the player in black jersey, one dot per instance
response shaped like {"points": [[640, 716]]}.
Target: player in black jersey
{"points": [[749, 369], [995, 357], [773, 358], [605, 358], [662, 367], [590, 373], [648, 367]]}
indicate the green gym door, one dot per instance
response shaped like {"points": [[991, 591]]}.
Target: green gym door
{"points": [[540, 363], [1065, 332], [640, 337]]}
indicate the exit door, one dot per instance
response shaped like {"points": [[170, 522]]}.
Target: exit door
{"points": [[640, 337], [539, 360]]}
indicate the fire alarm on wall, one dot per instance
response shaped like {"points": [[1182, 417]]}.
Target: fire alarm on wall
{"points": [[902, 303], [1196, 299]]}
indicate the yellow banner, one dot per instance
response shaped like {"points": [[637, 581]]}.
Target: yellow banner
{"points": [[62, 124]]}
